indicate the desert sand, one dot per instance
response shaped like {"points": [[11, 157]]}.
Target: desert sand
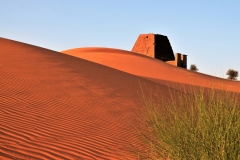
{"points": [[152, 69], [79, 104]]}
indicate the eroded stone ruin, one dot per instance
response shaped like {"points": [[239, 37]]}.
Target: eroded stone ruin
{"points": [[180, 60], [158, 46]]}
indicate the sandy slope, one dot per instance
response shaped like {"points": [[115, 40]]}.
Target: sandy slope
{"points": [[55, 106], [151, 68]]}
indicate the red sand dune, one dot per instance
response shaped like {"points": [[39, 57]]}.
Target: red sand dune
{"points": [[56, 106], [151, 68]]}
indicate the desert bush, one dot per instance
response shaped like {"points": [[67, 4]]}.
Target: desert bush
{"points": [[232, 74], [193, 67], [192, 127]]}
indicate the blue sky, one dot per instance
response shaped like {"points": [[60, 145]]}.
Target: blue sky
{"points": [[207, 31]]}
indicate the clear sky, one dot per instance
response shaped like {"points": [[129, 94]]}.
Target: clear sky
{"points": [[207, 31]]}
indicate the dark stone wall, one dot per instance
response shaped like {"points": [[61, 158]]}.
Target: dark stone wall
{"points": [[163, 49]]}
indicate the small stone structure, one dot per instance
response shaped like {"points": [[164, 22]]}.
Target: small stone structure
{"points": [[154, 45], [180, 60], [158, 46]]}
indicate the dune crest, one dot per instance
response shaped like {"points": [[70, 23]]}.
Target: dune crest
{"points": [[151, 68]]}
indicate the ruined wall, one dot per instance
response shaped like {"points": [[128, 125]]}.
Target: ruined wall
{"points": [[144, 45], [183, 61], [158, 46], [163, 49], [180, 60], [155, 46]]}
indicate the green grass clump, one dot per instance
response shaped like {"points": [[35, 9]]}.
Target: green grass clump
{"points": [[195, 126]]}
